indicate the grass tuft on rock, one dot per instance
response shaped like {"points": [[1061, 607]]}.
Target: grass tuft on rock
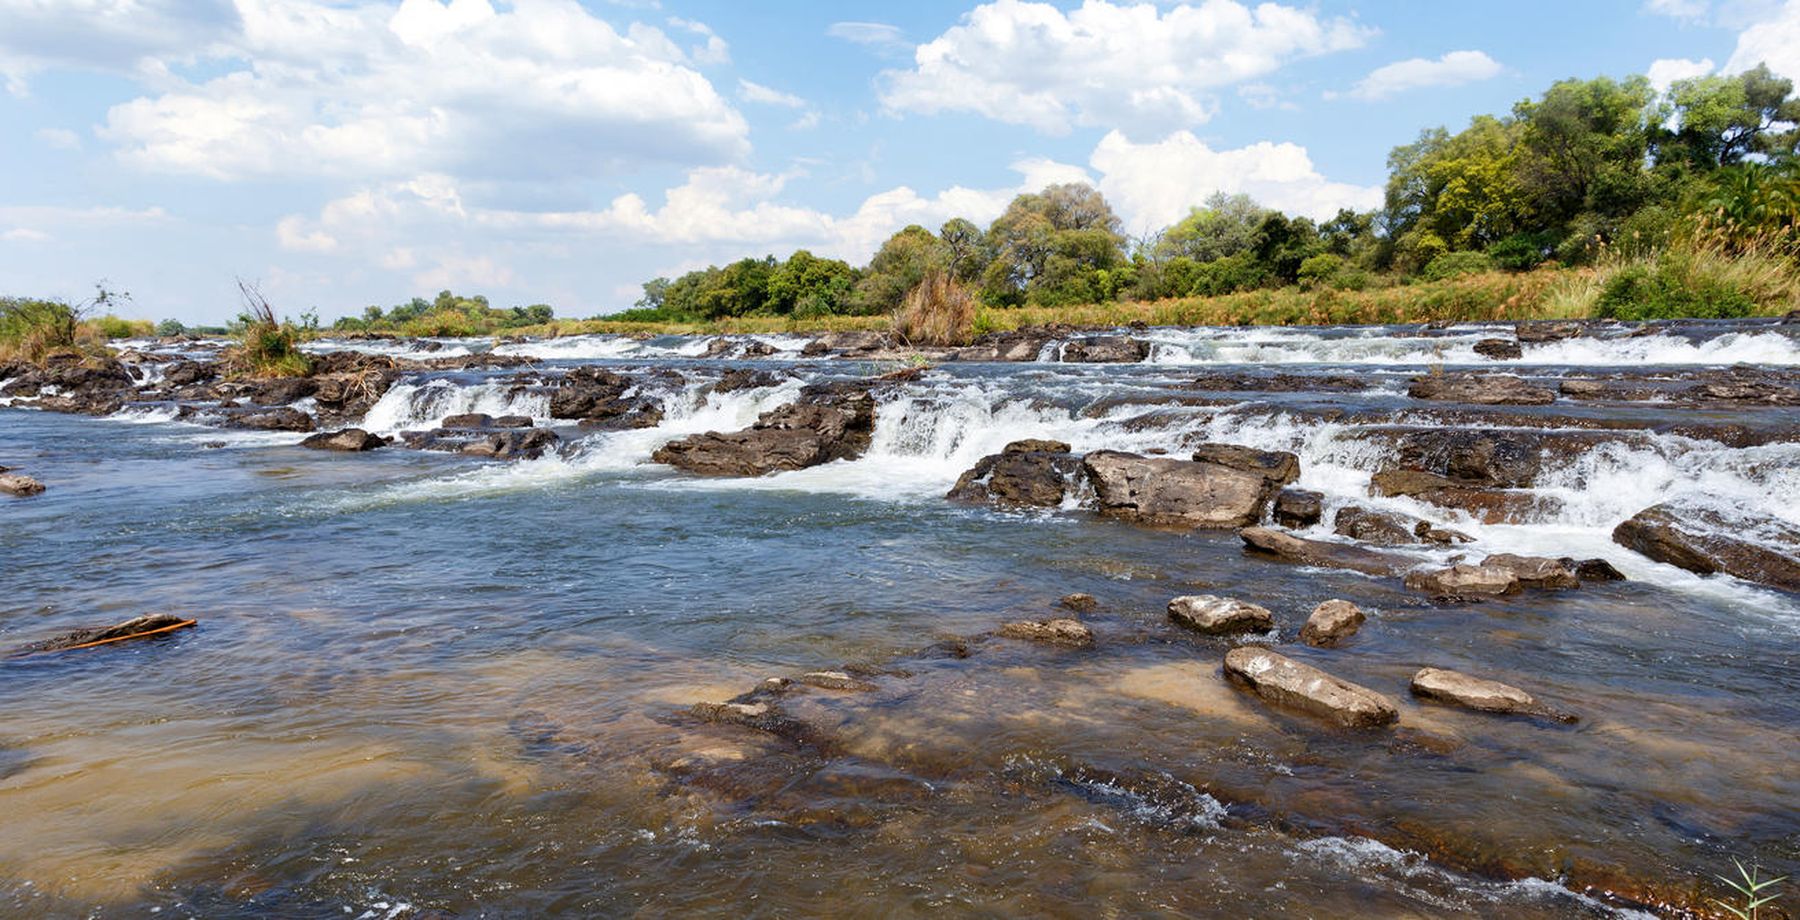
{"points": [[938, 312], [267, 346]]}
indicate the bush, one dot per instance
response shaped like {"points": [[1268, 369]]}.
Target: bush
{"points": [[1664, 291], [1456, 264], [1521, 252], [936, 312], [170, 327], [268, 347], [33, 329], [1319, 269], [113, 327]]}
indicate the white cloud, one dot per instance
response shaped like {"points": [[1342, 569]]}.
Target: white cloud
{"points": [[1106, 64], [25, 235], [109, 35], [874, 34], [1153, 185], [1774, 41], [765, 95], [1453, 69], [59, 216], [712, 50], [1664, 72], [292, 235], [1685, 10], [58, 138], [543, 91]]}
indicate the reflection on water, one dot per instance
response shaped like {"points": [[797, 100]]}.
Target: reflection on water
{"points": [[425, 687]]}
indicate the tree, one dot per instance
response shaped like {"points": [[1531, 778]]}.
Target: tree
{"points": [[899, 266], [1721, 120], [1583, 147], [823, 285], [1224, 226], [967, 247], [1071, 223]]}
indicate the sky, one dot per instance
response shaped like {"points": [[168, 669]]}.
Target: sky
{"points": [[344, 153]]}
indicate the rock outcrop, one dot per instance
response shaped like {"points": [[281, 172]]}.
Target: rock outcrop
{"points": [[1536, 571], [1286, 682], [1030, 473], [826, 424], [1106, 349], [19, 485], [351, 440], [1500, 349], [1219, 616], [1463, 582], [1707, 541], [1331, 623], [1231, 488], [280, 419], [1298, 508], [1479, 389]]}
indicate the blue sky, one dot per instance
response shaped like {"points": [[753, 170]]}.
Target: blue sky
{"points": [[349, 152]]}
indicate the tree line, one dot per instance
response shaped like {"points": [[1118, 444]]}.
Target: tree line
{"points": [[1589, 167]]}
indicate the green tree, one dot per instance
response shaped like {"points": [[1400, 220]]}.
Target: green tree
{"points": [[899, 266], [1224, 226], [1721, 120]]}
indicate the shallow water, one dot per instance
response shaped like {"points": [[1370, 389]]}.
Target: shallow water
{"points": [[425, 684]]}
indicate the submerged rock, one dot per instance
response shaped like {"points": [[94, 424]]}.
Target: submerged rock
{"points": [[1220, 615], [1031, 473], [349, 439], [1705, 540], [1286, 682], [149, 624], [1323, 553], [1298, 508], [1059, 631], [1105, 349], [1479, 389], [825, 425], [1536, 571], [1189, 492], [1332, 622], [1080, 603], [835, 680], [19, 485], [1465, 582], [1476, 693]]}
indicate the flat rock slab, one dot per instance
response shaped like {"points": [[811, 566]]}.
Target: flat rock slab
{"points": [[1286, 682], [1060, 631], [1536, 571], [1220, 616], [1324, 554], [1465, 582], [1457, 688], [1160, 490], [1707, 541], [1332, 622]]}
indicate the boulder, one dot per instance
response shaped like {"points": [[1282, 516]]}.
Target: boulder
{"points": [[1181, 492], [1476, 693], [1031, 473], [1443, 536], [1080, 603], [1500, 349], [1593, 569], [1536, 571], [281, 391], [1465, 582], [1060, 631], [589, 392], [513, 444], [1324, 554], [1332, 622], [1548, 330], [1385, 528], [1298, 508], [1488, 505], [1479, 389], [183, 372], [280, 419], [468, 420], [1279, 467], [349, 439], [1105, 349], [20, 486], [1286, 682], [1220, 616], [1707, 540], [825, 425]]}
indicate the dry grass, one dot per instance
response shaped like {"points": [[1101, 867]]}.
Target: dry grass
{"points": [[938, 312], [267, 347]]}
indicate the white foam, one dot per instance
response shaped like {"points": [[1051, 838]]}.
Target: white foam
{"points": [[415, 406]]}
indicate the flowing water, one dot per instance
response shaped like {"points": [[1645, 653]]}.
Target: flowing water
{"points": [[424, 685]]}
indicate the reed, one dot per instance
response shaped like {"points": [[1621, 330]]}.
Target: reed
{"points": [[937, 312]]}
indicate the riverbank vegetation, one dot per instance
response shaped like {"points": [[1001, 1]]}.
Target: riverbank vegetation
{"points": [[35, 330]]}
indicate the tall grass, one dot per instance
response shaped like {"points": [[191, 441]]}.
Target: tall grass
{"points": [[937, 312], [267, 346], [32, 330]]}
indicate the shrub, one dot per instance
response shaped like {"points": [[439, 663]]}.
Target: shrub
{"points": [[1663, 290], [170, 327], [268, 347], [1456, 264], [114, 327], [33, 329], [1522, 251], [938, 311], [1320, 269]]}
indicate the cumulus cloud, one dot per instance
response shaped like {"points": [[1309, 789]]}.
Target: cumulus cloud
{"points": [[543, 91], [1452, 69], [1155, 184], [1774, 41], [1105, 64], [107, 35], [1664, 72]]}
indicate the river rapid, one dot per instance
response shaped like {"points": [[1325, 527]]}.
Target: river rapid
{"points": [[425, 684]]}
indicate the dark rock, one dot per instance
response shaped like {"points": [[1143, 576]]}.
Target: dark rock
{"points": [[1463, 582], [756, 348], [1193, 493], [1106, 349], [835, 680], [1443, 536], [513, 444], [281, 419], [1493, 457], [350, 439], [1332, 622], [1324, 554], [1455, 687], [1060, 631], [1548, 331], [746, 379], [136, 626], [1717, 540], [1593, 569], [19, 485], [1286, 682], [825, 425], [281, 391], [815, 349], [1536, 571], [1298, 508], [182, 372], [1015, 345], [1279, 467], [1500, 349], [468, 420], [1031, 473], [1490, 506], [513, 421], [1479, 389], [1220, 616], [1385, 528], [589, 392]]}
